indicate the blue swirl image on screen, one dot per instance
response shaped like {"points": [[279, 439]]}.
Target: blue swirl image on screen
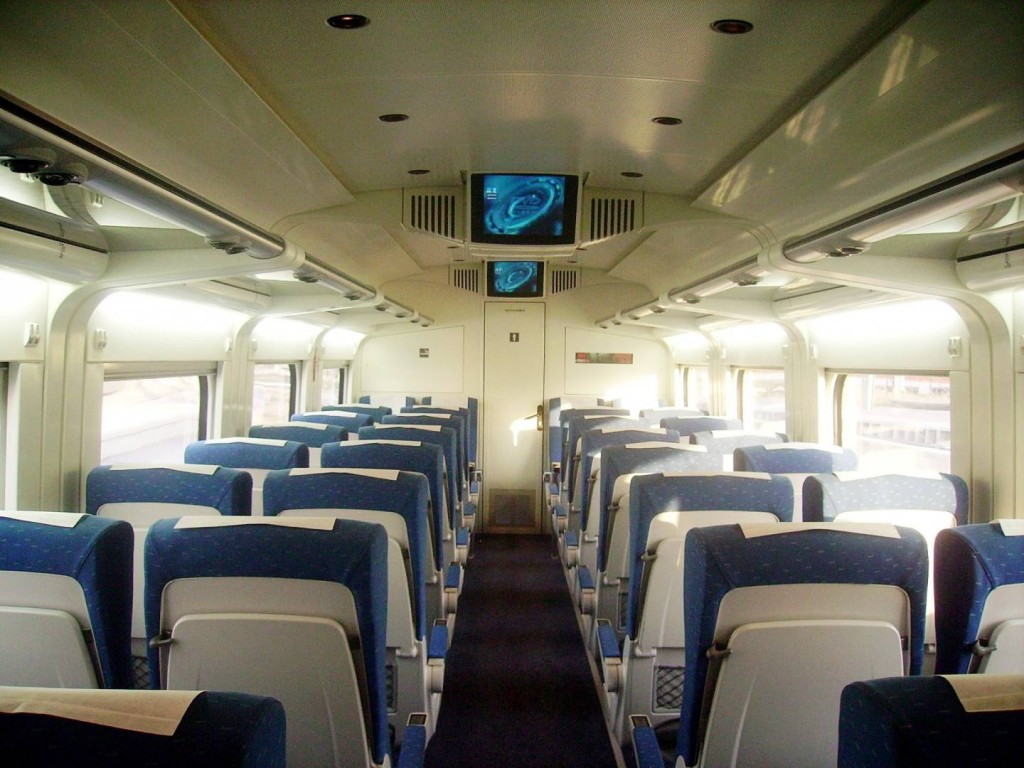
{"points": [[524, 205], [515, 276]]}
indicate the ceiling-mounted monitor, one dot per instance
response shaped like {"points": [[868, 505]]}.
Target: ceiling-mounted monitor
{"points": [[515, 279], [523, 209]]}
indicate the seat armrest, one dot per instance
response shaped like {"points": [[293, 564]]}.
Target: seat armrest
{"points": [[452, 587], [645, 743], [585, 580], [571, 549], [437, 650], [414, 742], [561, 518], [610, 655], [461, 545]]}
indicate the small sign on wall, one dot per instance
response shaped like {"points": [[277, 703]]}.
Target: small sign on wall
{"points": [[513, 337], [424, 352], [605, 358]]}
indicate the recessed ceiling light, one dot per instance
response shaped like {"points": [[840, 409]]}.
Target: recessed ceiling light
{"points": [[393, 117], [732, 26], [348, 21], [419, 171], [665, 120], [632, 174]]}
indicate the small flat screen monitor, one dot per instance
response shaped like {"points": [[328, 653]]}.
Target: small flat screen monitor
{"points": [[515, 279], [523, 208]]}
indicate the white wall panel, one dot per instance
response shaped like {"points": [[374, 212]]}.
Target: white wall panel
{"points": [[422, 361]]}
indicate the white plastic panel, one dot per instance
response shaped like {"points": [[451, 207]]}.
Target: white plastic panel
{"points": [[804, 664]]}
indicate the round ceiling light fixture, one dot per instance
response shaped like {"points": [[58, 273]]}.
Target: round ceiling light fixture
{"points": [[418, 171], [732, 26], [348, 21], [666, 120], [632, 174], [393, 117]]}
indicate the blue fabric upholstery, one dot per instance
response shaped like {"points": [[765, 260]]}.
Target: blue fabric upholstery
{"points": [[97, 553], [919, 722], [348, 423], [795, 458], [619, 460], [445, 437], [407, 495], [229, 491], [827, 495], [559, 420], [687, 425], [720, 558], [353, 554], [593, 441], [425, 458], [652, 494], [724, 442], [218, 730], [668, 413], [462, 427], [574, 429], [452, 422], [970, 562], [375, 412], [312, 437], [239, 454]]}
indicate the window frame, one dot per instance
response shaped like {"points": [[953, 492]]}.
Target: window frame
{"points": [[738, 375], [294, 372]]}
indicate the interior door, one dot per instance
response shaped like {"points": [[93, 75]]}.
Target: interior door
{"points": [[513, 388]]}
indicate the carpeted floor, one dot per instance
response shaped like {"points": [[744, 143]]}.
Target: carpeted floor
{"points": [[519, 691]]}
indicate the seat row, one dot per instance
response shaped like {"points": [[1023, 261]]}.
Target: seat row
{"points": [[639, 635], [213, 632]]}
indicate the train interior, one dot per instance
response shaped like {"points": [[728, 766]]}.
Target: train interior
{"points": [[806, 219]]}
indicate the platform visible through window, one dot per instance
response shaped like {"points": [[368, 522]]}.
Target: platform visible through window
{"points": [[895, 422]]}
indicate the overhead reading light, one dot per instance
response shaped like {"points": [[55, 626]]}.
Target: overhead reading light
{"points": [[29, 160], [348, 21], [983, 184], [418, 171], [393, 117], [666, 120], [632, 174]]}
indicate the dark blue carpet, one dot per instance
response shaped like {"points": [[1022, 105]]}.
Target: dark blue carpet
{"points": [[518, 688]]}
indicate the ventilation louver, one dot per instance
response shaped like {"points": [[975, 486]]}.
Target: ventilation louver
{"points": [[564, 279], [465, 277], [437, 211], [612, 213]]}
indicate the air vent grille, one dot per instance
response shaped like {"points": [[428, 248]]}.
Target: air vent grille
{"points": [[466, 278], [437, 211], [563, 279], [613, 214]]}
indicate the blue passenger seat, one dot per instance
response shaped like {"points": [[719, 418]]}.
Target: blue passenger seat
{"points": [[979, 598], [41, 728], [947, 721], [290, 608], [399, 502], [142, 494], [65, 601], [257, 456], [725, 441], [778, 620], [313, 434]]}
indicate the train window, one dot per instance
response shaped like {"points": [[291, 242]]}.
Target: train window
{"points": [[697, 388], [152, 418], [894, 421], [274, 392], [762, 398], [332, 385]]}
